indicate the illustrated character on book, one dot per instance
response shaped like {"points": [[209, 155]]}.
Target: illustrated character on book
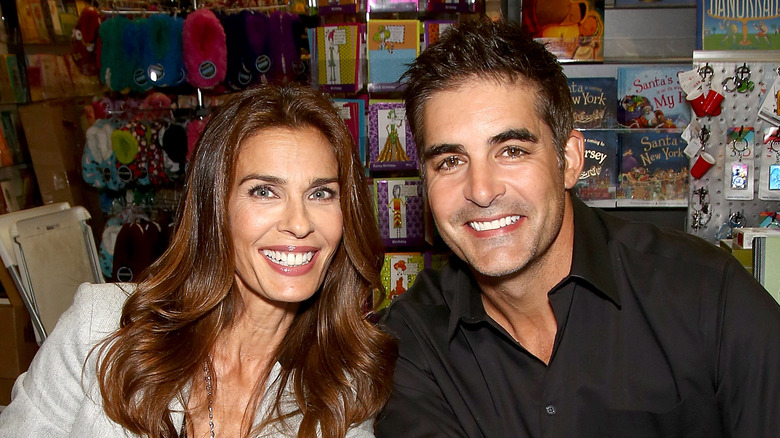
{"points": [[731, 31], [382, 36], [393, 149], [397, 212], [399, 270], [763, 31]]}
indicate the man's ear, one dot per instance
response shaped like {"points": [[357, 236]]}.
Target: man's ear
{"points": [[574, 156]]}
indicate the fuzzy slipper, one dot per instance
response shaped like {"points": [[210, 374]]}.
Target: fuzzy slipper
{"points": [[84, 40], [134, 40], [257, 47], [162, 51], [194, 129], [285, 56], [114, 71], [204, 49]]}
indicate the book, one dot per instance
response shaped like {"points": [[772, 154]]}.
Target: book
{"points": [[339, 58], [353, 112], [433, 29], [650, 97], [392, 5], [573, 31], [595, 102], [390, 142], [398, 273], [737, 25], [653, 169], [450, 6], [766, 264], [598, 181], [325, 7], [400, 211], [653, 3], [392, 46]]}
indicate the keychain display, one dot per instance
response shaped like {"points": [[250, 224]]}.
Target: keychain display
{"points": [[700, 206], [769, 179], [770, 107], [739, 164]]}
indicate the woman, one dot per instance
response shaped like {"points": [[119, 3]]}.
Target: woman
{"points": [[251, 322]]}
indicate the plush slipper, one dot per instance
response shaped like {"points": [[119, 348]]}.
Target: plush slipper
{"points": [[84, 40], [156, 106], [155, 164], [162, 51], [204, 49], [194, 129], [114, 71], [285, 55], [257, 47], [134, 40], [237, 76], [173, 140]]}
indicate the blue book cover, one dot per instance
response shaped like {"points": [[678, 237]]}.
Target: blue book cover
{"points": [[651, 98], [653, 169], [738, 25], [595, 102], [598, 181], [392, 46]]}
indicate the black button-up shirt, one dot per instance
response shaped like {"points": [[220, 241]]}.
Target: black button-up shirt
{"points": [[660, 334]]}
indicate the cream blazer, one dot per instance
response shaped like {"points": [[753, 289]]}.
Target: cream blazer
{"points": [[54, 399]]}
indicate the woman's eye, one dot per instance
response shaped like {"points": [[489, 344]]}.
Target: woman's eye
{"points": [[323, 193], [261, 192]]}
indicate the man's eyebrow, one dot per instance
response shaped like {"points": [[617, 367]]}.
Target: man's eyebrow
{"points": [[521, 134], [440, 149]]}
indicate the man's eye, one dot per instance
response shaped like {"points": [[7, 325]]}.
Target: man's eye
{"points": [[449, 163], [513, 151]]}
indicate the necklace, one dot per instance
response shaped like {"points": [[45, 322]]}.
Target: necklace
{"points": [[207, 376]]}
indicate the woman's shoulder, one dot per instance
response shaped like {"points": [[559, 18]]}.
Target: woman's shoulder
{"points": [[99, 306]]}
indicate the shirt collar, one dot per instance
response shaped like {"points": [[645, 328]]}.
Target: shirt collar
{"points": [[591, 263]]}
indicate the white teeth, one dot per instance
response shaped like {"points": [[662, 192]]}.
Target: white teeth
{"points": [[290, 259], [494, 225]]}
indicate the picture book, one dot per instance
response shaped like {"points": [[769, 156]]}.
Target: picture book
{"points": [[432, 30], [573, 31], [325, 7], [595, 102], [339, 58], [450, 6], [398, 273], [392, 46], [653, 169], [598, 181], [650, 97], [392, 5], [400, 211], [390, 142], [737, 25], [353, 112]]}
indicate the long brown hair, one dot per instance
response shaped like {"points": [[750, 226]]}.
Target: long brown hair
{"points": [[340, 365]]}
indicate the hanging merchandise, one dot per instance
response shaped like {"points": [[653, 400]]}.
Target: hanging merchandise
{"points": [[98, 157], [257, 46], [738, 167], [285, 50], [84, 40], [194, 129], [173, 140], [162, 50], [204, 49], [113, 62], [134, 41], [769, 178], [237, 76]]}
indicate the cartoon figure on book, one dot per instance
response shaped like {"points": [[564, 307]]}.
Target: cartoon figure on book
{"points": [[234, 330], [397, 210], [554, 318], [393, 150]]}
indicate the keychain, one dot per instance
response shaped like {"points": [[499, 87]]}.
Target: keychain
{"points": [[700, 204]]}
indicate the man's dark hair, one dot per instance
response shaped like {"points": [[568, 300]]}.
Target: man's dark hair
{"points": [[500, 51]]}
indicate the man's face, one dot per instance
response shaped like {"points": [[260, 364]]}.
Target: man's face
{"points": [[494, 182]]}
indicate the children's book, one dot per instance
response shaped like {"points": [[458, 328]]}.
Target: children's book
{"points": [[339, 58], [651, 98], [400, 211], [598, 181], [653, 169], [737, 25], [390, 142], [450, 6], [572, 30], [595, 102], [433, 29], [325, 7], [392, 46], [353, 112], [392, 5], [399, 271]]}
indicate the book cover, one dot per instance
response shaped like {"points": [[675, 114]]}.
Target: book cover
{"points": [[390, 142], [400, 211], [353, 112], [598, 181], [432, 30], [653, 169], [450, 6], [392, 46], [338, 58], [398, 273], [572, 30], [651, 98], [737, 25], [392, 5], [595, 102], [325, 7]]}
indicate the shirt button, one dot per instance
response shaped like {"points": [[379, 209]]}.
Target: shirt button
{"points": [[550, 409]]}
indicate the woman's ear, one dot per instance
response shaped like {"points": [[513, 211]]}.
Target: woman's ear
{"points": [[574, 156]]}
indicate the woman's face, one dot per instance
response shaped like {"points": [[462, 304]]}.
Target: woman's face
{"points": [[285, 215]]}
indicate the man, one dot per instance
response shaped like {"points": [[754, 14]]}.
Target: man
{"points": [[556, 319]]}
